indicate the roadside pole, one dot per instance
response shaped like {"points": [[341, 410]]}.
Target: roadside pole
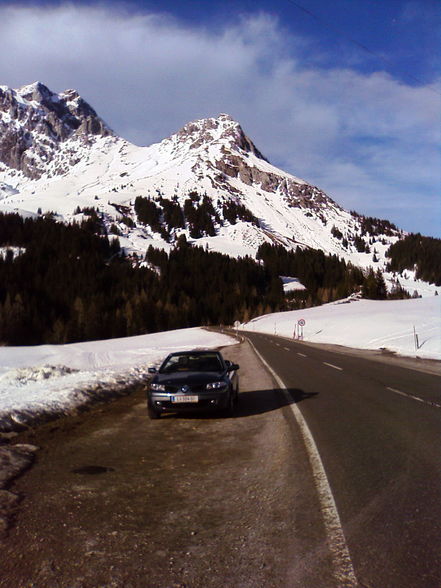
{"points": [[415, 338], [301, 323]]}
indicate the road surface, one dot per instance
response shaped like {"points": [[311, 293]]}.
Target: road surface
{"points": [[377, 427]]}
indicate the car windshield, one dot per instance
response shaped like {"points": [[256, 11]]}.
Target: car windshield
{"points": [[185, 362]]}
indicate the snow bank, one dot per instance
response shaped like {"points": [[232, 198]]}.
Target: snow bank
{"points": [[364, 324], [41, 382]]}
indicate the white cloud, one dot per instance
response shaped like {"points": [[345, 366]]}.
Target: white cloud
{"points": [[361, 137]]}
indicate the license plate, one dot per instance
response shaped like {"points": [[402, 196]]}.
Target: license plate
{"points": [[184, 398]]}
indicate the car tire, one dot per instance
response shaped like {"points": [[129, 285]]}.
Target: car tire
{"points": [[153, 414], [228, 411]]}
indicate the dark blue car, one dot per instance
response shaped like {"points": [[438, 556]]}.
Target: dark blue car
{"points": [[193, 380]]}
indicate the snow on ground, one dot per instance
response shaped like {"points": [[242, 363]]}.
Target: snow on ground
{"points": [[410, 283], [364, 324], [14, 251], [291, 284], [39, 381]]}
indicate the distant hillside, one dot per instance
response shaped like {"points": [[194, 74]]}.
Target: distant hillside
{"points": [[64, 283], [419, 254]]}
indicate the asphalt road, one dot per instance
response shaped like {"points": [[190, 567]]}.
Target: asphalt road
{"points": [[377, 427]]}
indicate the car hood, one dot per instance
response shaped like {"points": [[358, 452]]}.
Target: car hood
{"points": [[193, 378]]}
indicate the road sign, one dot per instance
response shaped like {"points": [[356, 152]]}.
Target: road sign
{"points": [[301, 322]]}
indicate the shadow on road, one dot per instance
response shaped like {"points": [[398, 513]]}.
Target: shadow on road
{"points": [[250, 403], [261, 401], [253, 403]]}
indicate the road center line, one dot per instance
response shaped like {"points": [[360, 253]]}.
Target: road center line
{"points": [[301, 354], [417, 398], [333, 366], [287, 349], [340, 556]]}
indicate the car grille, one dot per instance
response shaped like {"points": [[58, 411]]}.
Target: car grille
{"points": [[203, 403], [172, 389]]}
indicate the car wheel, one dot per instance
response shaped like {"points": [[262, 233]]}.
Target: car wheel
{"points": [[153, 414], [228, 411]]}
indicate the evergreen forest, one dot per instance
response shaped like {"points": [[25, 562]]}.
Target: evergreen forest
{"points": [[326, 277], [421, 254], [69, 284], [64, 283]]}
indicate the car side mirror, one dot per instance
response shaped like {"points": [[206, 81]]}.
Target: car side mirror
{"points": [[234, 367], [152, 370]]}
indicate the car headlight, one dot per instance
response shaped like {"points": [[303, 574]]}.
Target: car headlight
{"points": [[216, 385], [157, 387]]}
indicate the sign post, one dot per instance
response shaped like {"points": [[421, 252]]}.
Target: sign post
{"points": [[300, 323]]}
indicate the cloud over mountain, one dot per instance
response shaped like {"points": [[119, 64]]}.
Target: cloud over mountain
{"points": [[367, 139]]}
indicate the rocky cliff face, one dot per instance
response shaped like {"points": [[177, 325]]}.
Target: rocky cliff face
{"points": [[57, 155], [34, 122], [297, 193], [222, 149]]}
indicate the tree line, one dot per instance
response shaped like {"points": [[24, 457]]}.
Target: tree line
{"points": [[73, 282], [69, 284], [419, 254], [198, 215], [326, 277]]}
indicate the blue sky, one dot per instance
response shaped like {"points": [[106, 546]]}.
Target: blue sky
{"points": [[344, 94]]}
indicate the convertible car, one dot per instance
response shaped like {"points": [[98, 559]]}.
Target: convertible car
{"points": [[193, 380]]}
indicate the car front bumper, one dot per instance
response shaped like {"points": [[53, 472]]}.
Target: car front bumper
{"points": [[172, 402]]}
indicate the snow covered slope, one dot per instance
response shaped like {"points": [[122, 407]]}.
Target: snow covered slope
{"points": [[57, 155], [364, 324]]}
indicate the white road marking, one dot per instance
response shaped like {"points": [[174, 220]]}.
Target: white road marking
{"points": [[301, 354], [333, 366], [417, 398], [341, 559], [287, 349]]}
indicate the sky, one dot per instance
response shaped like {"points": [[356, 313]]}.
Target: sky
{"points": [[344, 94]]}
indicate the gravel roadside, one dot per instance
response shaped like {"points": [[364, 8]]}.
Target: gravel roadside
{"points": [[117, 500]]}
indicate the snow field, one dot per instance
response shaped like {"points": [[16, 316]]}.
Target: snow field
{"points": [[57, 379], [364, 324]]}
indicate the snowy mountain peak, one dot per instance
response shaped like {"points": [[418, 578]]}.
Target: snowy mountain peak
{"points": [[36, 92], [35, 122], [223, 130], [207, 181]]}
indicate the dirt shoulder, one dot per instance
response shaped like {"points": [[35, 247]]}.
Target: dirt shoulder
{"points": [[117, 500]]}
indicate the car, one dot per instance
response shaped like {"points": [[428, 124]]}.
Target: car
{"points": [[193, 381]]}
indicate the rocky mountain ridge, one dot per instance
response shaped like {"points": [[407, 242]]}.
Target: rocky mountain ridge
{"points": [[34, 122], [208, 181]]}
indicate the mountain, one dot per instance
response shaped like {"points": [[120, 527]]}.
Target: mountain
{"points": [[207, 181], [36, 125]]}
